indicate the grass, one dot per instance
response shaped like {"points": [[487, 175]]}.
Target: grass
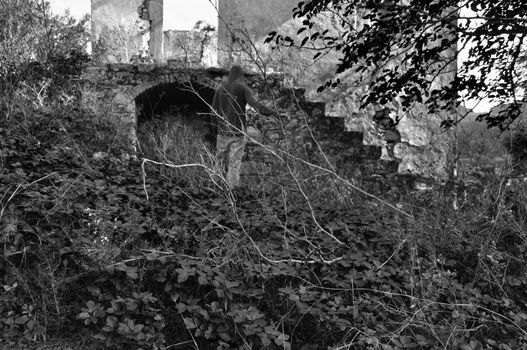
{"points": [[174, 140]]}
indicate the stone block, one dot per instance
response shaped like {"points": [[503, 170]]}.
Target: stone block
{"points": [[352, 138], [371, 152], [298, 132], [95, 70], [144, 68], [328, 125], [120, 67], [315, 109], [348, 157]]}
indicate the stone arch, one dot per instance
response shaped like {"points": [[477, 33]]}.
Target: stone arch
{"points": [[176, 104], [113, 89]]}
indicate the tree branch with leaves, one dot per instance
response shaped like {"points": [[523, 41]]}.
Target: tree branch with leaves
{"points": [[408, 47]]}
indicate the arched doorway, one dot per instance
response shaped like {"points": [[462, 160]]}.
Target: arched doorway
{"points": [[174, 121]]}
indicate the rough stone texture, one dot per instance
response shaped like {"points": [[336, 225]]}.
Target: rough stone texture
{"points": [[304, 131], [155, 12], [425, 150], [421, 149]]}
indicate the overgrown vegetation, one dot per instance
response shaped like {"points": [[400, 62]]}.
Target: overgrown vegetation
{"points": [[36, 46], [153, 253], [147, 260]]}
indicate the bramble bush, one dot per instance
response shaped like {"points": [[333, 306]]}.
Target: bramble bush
{"points": [[37, 44]]}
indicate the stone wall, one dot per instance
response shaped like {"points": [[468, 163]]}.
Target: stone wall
{"points": [[305, 130], [422, 149]]}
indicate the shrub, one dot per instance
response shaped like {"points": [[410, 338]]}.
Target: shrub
{"points": [[40, 52]]}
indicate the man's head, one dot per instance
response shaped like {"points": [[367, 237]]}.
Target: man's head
{"points": [[235, 74]]}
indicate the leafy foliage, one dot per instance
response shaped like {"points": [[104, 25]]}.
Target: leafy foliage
{"points": [[38, 50], [406, 50], [85, 251], [131, 255]]}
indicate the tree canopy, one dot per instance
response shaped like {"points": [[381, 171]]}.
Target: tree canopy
{"points": [[436, 52]]}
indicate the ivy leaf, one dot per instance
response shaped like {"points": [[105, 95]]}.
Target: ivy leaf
{"points": [[181, 307], [182, 275], [123, 329], [131, 273], [22, 319], [264, 339], [112, 322], [83, 315], [94, 290], [131, 304], [225, 336], [215, 306], [189, 323], [138, 328], [91, 305], [202, 280]]}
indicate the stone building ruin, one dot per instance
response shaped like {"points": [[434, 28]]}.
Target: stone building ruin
{"points": [[134, 27], [121, 89], [141, 58]]}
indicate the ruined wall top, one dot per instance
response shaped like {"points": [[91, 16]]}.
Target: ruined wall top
{"points": [[123, 29], [122, 75]]}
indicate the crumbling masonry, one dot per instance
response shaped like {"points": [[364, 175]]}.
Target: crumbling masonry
{"points": [[116, 90], [131, 31], [119, 90]]}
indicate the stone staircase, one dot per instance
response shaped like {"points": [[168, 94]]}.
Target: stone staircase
{"points": [[305, 131], [315, 137]]}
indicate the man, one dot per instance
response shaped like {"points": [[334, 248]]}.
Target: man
{"points": [[230, 101]]}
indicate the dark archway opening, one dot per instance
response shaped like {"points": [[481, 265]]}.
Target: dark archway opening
{"points": [[178, 101], [175, 121]]}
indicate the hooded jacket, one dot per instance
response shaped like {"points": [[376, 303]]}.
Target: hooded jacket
{"points": [[230, 102]]}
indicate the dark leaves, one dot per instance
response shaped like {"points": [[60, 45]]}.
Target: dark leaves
{"points": [[418, 39]]}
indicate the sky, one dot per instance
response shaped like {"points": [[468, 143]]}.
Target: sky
{"points": [[179, 14], [77, 8], [183, 14]]}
